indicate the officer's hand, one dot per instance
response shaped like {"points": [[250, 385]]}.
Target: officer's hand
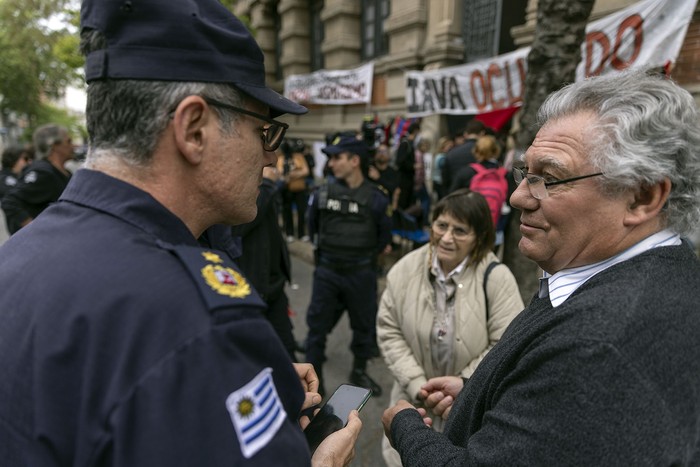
{"points": [[308, 377], [338, 449], [309, 381]]}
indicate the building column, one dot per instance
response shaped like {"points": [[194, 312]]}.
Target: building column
{"points": [[342, 32], [444, 44], [294, 36]]}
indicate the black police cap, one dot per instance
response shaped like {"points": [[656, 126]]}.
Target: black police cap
{"points": [[178, 40], [347, 144]]}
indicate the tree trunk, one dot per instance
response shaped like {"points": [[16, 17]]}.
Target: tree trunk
{"points": [[552, 61]]}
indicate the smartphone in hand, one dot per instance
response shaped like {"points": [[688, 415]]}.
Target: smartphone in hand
{"points": [[334, 413]]}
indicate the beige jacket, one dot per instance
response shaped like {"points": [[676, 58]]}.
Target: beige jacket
{"points": [[407, 308]]}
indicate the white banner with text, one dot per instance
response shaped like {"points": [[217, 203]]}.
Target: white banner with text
{"points": [[331, 86], [649, 33]]}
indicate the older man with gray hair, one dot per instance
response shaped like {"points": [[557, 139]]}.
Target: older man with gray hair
{"points": [[603, 366]]}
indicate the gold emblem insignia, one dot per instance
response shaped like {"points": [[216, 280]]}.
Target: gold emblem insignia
{"points": [[226, 281], [213, 257], [246, 407]]}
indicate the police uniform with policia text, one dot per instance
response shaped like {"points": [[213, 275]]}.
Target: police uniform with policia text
{"points": [[351, 226], [175, 319], [123, 342]]}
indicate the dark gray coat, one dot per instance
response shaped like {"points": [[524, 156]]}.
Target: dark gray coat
{"points": [[610, 377]]}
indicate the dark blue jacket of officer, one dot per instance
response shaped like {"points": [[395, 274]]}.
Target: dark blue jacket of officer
{"points": [[127, 334], [41, 185], [351, 225]]}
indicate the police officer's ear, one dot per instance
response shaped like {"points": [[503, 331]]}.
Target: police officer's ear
{"points": [[355, 160], [194, 126]]}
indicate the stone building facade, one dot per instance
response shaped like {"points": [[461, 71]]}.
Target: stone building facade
{"points": [[302, 36]]}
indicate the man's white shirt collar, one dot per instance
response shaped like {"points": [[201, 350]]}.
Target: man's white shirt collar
{"points": [[565, 282]]}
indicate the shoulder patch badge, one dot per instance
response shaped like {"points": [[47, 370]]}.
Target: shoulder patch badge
{"points": [[213, 257], [223, 280], [256, 412], [31, 177], [216, 276]]}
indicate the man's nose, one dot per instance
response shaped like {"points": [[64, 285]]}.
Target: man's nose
{"points": [[522, 197]]}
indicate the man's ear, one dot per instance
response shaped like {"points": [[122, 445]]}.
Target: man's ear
{"points": [[647, 202], [192, 128]]}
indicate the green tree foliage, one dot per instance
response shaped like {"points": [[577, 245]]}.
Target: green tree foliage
{"points": [[36, 60]]}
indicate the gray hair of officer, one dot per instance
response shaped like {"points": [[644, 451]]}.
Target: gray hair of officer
{"points": [[647, 130], [125, 117], [141, 61], [45, 137]]}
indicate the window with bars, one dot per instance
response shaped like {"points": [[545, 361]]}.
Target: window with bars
{"points": [[374, 41], [481, 28], [317, 34]]}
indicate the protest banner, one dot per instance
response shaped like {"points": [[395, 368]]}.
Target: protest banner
{"points": [[649, 33], [331, 86]]}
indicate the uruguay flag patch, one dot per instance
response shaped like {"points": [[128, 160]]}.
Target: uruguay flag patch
{"points": [[256, 412]]}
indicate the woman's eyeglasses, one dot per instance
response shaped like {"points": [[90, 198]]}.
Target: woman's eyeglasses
{"points": [[458, 233]]}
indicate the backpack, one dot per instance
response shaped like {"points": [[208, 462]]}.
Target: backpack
{"points": [[492, 185]]}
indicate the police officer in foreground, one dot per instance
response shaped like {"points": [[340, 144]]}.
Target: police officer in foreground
{"points": [[350, 220], [143, 348]]}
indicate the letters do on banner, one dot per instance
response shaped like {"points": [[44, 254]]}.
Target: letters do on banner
{"points": [[649, 33]]}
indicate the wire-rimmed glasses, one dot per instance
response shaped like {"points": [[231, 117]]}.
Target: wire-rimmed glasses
{"points": [[538, 187]]}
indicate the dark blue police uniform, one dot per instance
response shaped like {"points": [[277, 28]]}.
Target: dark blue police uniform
{"points": [[41, 185], [134, 346], [352, 227]]}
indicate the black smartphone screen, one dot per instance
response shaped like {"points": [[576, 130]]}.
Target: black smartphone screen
{"points": [[334, 414]]}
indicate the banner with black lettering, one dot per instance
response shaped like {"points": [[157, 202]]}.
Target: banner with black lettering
{"points": [[648, 33], [332, 86]]}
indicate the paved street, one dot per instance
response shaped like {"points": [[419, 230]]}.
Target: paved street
{"points": [[339, 363]]}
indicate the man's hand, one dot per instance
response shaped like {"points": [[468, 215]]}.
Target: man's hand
{"points": [[439, 393], [309, 381], [338, 449], [390, 413]]}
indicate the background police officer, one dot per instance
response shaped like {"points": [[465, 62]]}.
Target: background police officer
{"points": [[350, 220], [44, 179]]}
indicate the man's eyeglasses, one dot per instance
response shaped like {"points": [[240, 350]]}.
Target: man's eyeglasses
{"points": [[458, 233], [271, 136], [538, 187]]}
